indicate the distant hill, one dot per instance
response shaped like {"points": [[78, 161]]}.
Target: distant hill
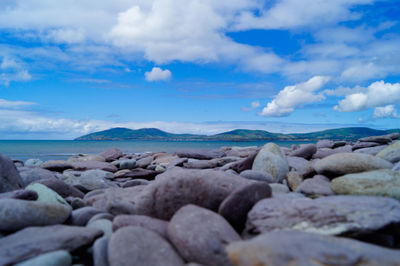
{"points": [[350, 133]]}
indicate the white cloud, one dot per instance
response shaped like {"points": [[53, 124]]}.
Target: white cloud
{"points": [[14, 104], [387, 111], [377, 94], [297, 95], [157, 74], [11, 70], [253, 105]]}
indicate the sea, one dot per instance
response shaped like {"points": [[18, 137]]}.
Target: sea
{"points": [[63, 149]]}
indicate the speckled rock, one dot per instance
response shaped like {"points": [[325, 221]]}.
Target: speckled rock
{"points": [[279, 189], [33, 162], [200, 235], [391, 153], [86, 157], [271, 160], [138, 246], [294, 179], [9, 177]]}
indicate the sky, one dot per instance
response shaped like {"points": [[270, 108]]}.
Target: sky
{"points": [[71, 67]]}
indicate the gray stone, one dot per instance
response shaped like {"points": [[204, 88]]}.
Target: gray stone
{"points": [[135, 182], [9, 177], [257, 175], [86, 157], [153, 224], [100, 252], [304, 151], [361, 145], [138, 246], [200, 154], [377, 183], [346, 163], [94, 165], [112, 154], [177, 162], [99, 216], [57, 165], [371, 151], [19, 194], [377, 139], [144, 162], [33, 162], [76, 203], [62, 188], [33, 174], [324, 152], [271, 160], [299, 248], [33, 241], [16, 214], [325, 143], [94, 179], [391, 153], [396, 167], [139, 173], [81, 216], [55, 258], [201, 164], [332, 215], [294, 179], [46, 194], [235, 207], [200, 235], [102, 224], [127, 164], [301, 165], [178, 187], [316, 186], [279, 189], [244, 164], [393, 136]]}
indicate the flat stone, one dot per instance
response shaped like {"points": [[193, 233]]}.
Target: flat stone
{"points": [[305, 151], [325, 152], [271, 160], [346, 163], [325, 143], [55, 258], [235, 207], [33, 241], [94, 165], [81, 216], [377, 183], [56, 165], [46, 194], [316, 186], [300, 248], [93, 179], [377, 139], [200, 235], [200, 154], [112, 154], [332, 215], [153, 224], [140, 173], [21, 194], [9, 177], [257, 175], [163, 159], [371, 151], [138, 246], [33, 162], [178, 187], [33, 174], [62, 188], [391, 153], [16, 214], [135, 182], [144, 162], [201, 164], [361, 145]]}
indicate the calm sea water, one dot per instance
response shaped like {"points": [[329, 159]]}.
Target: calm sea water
{"points": [[62, 149]]}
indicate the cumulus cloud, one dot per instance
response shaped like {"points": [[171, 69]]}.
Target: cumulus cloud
{"points": [[387, 111], [377, 94], [253, 106], [157, 74], [297, 95]]}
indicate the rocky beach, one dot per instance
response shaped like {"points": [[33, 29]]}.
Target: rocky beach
{"points": [[324, 203]]}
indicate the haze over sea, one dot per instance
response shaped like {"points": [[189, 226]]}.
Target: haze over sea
{"points": [[62, 149]]}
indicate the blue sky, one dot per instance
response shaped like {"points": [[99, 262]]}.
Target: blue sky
{"points": [[71, 67]]}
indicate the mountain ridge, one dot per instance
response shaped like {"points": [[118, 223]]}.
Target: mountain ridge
{"points": [[349, 133]]}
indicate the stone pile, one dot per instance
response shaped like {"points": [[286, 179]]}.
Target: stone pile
{"points": [[329, 203]]}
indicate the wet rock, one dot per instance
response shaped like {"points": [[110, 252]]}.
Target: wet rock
{"points": [[62, 188], [294, 179], [377, 139], [138, 246], [94, 165], [346, 163], [304, 151], [332, 215], [299, 248], [56, 165], [200, 154], [316, 186], [257, 175], [200, 235], [377, 183], [9, 177], [391, 153], [178, 187], [112, 154], [271, 160], [16, 214], [81, 216], [235, 207], [33, 174], [21, 194], [55, 258], [33, 241], [153, 224]]}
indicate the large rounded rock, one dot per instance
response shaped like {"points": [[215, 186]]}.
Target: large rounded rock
{"points": [[33, 174], [20, 194], [33, 241], [178, 187], [93, 179], [55, 258], [271, 160], [200, 235], [299, 248], [301, 165], [112, 154], [62, 188], [347, 163], [391, 153], [92, 165], [46, 194], [316, 186], [377, 183], [138, 246], [82, 215], [9, 177], [57, 165], [153, 224], [16, 214], [304, 151], [332, 215]]}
